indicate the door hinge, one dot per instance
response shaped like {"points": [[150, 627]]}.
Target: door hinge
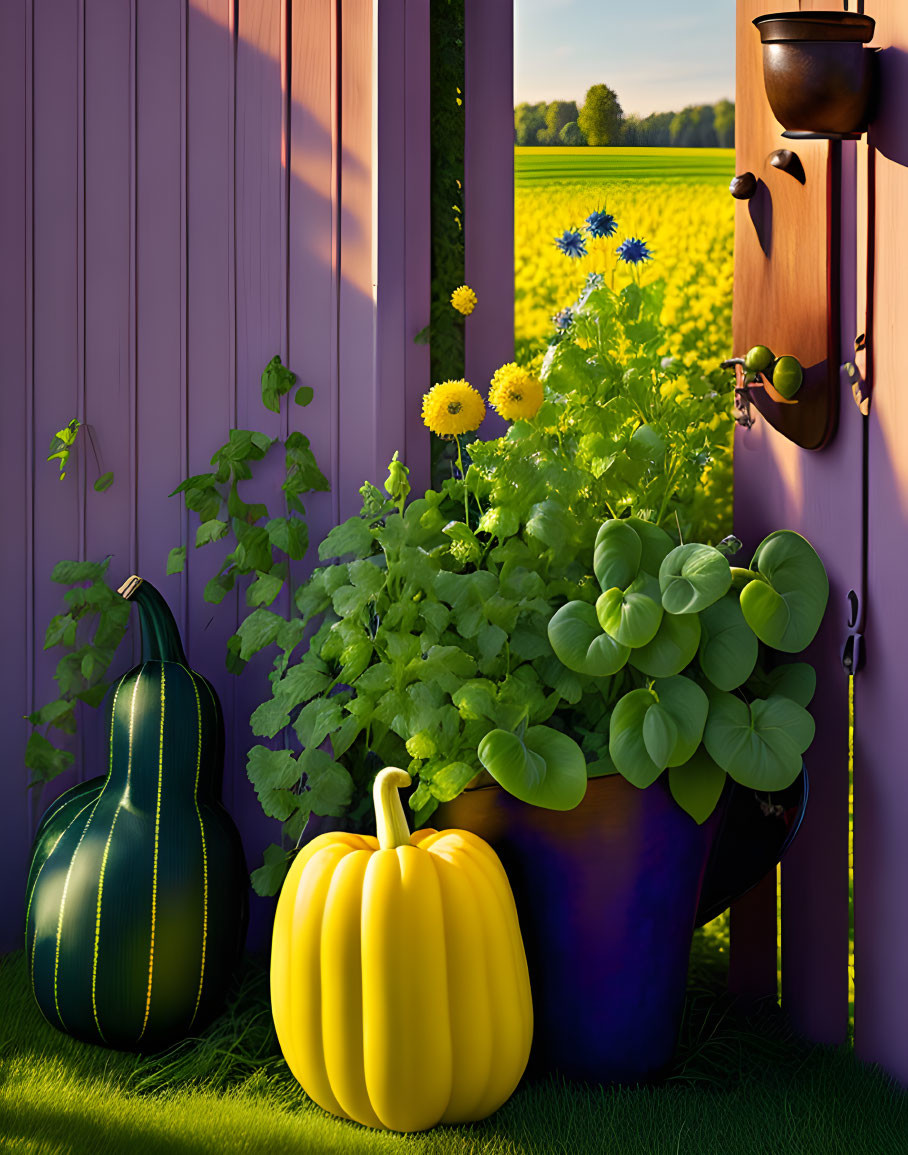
{"points": [[853, 653]]}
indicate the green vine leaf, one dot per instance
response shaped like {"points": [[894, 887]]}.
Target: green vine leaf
{"points": [[277, 381]]}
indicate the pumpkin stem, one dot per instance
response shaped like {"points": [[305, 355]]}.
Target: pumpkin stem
{"points": [[160, 635], [390, 820]]}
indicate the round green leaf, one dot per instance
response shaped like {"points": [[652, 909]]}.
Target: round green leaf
{"points": [[728, 646], [688, 706], [693, 577], [626, 746], [646, 444], [660, 734], [655, 541], [795, 680], [697, 785], [544, 768], [785, 609], [581, 644], [631, 618], [616, 555], [672, 649], [652, 729], [761, 744]]}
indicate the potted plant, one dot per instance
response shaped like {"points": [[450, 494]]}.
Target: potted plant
{"points": [[819, 77], [431, 646], [683, 646]]}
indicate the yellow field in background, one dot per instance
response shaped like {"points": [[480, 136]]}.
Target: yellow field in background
{"points": [[689, 228]]}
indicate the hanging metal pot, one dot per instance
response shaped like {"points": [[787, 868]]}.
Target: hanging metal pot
{"points": [[820, 79]]}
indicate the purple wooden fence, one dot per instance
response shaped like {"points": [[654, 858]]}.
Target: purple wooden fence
{"points": [[823, 495], [191, 186]]}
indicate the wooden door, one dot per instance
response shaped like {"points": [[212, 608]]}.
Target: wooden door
{"points": [[779, 485]]}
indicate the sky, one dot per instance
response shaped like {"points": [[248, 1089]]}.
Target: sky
{"points": [[658, 55]]}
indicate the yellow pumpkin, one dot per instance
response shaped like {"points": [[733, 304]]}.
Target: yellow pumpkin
{"points": [[399, 983]]}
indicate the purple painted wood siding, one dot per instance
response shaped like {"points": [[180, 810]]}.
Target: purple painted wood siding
{"points": [[778, 485], [191, 186], [821, 495], [880, 778]]}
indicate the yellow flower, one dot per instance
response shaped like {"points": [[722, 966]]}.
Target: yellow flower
{"points": [[452, 408], [515, 392], [464, 300]]}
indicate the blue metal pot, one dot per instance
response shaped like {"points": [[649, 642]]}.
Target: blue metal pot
{"points": [[607, 896]]}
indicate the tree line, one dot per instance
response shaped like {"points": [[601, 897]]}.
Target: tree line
{"points": [[601, 121]]}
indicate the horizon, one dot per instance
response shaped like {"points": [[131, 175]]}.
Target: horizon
{"points": [[690, 54]]}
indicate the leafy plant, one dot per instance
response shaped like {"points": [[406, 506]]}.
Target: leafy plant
{"points": [[702, 696], [88, 632], [263, 550], [263, 546], [61, 447], [429, 632]]}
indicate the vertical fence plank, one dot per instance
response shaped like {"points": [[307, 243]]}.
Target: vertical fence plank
{"points": [[778, 485], [14, 384], [211, 270], [56, 336], [356, 310], [313, 240], [389, 222], [880, 786], [160, 278], [489, 185], [108, 400], [260, 175], [404, 233], [417, 116]]}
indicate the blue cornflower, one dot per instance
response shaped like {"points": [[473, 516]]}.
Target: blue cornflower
{"points": [[633, 251], [571, 243], [563, 317], [601, 224]]}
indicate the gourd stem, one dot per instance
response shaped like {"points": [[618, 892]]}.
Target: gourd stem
{"points": [[390, 820], [160, 635]]}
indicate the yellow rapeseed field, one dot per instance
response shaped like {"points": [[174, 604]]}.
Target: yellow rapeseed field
{"points": [[689, 228]]}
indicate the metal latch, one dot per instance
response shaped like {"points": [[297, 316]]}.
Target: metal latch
{"points": [[853, 655]]}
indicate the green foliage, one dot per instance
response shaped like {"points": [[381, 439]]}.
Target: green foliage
{"points": [[600, 118], [529, 121], [88, 633], [571, 135], [262, 546], [61, 445], [697, 126], [687, 642], [785, 600], [558, 114], [435, 629], [538, 766], [261, 550]]}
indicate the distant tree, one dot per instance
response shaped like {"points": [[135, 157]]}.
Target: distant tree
{"points": [[694, 127], [571, 134], [601, 116], [557, 115], [632, 132], [725, 123], [529, 119]]}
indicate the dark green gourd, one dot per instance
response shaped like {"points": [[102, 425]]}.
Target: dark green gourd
{"points": [[137, 890]]}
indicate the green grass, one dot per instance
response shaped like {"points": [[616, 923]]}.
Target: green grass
{"points": [[538, 166], [742, 1085]]}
